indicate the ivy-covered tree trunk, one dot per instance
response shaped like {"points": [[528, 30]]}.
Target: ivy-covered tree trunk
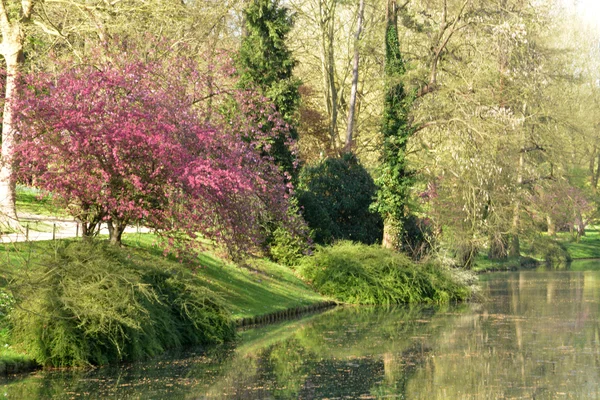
{"points": [[395, 179]]}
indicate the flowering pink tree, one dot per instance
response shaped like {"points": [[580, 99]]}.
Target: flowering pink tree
{"points": [[133, 142]]}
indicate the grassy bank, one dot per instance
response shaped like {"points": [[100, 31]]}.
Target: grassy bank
{"points": [[564, 247], [587, 247], [258, 288]]}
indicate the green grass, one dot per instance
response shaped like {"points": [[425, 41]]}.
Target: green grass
{"points": [[588, 246], [563, 247], [32, 201], [261, 287]]}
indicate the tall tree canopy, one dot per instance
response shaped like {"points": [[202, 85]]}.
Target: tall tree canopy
{"points": [[265, 62]]}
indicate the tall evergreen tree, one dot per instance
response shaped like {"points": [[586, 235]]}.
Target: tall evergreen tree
{"points": [[395, 179], [266, 62]]}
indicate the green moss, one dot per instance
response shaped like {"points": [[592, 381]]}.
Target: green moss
{"points": [[361, 274]]}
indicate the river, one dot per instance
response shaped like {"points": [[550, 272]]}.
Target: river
{"points": [[536, 336]]}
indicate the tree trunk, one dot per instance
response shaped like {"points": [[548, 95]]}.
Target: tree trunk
{"points": [[580, 225], [498, 247], [115, 231], [515, 244], [11, 49], [89, 229], [551, 226], [12, 53], [391, 234], [354, 90], [596, 175], [327, 15]]}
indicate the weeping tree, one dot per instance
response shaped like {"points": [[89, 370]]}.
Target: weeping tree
{"points": [[266, 63], [395, 179]]}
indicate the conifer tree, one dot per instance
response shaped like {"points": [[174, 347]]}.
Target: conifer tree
{"points": [[266, 63]]}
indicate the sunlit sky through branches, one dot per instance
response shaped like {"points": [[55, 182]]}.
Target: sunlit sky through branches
{"points": [[589, 10]]}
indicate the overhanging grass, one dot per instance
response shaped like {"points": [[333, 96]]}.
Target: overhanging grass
{"points": [[360, 274], [93, 303]]}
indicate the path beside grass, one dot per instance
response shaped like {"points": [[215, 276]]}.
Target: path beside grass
{"points": [[38, 227]]}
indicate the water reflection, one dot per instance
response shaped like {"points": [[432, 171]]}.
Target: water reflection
{"points": [[538, 336]]}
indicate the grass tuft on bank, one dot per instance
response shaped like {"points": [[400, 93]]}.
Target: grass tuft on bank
{"points": [[360, 274], [93, 304]]}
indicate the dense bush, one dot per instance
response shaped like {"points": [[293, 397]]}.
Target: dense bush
{"points": [[549, 250], [361, 274], [286, 247], [90, 303], [335, 196]]}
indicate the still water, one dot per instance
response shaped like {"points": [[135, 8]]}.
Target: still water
{"points": [[536, 337]]}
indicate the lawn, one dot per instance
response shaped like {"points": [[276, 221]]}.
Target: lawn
{"points": [[32, 201], [587, 246]]}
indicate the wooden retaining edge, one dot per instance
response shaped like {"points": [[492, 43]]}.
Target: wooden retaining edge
{"points": [[284, 314]]}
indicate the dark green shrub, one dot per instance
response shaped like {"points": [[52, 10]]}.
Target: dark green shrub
{"points": [[91, 303], [361, 274], [334, 196]]}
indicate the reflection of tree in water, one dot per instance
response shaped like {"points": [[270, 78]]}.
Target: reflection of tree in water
{"points": [[539, 338], [338, 353], [399, 370]]}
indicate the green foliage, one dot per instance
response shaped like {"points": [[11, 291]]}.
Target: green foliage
{"points": [[90, 303], [549, 250], [335, 196], [361, 274], [265, 62], [394, 179], [287, 248]]}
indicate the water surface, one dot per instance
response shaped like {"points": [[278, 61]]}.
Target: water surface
{"points": [[537, 336]]}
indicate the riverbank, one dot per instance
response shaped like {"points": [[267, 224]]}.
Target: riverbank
{"points": [[564, 247], [255, 292], [258, 292]]}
